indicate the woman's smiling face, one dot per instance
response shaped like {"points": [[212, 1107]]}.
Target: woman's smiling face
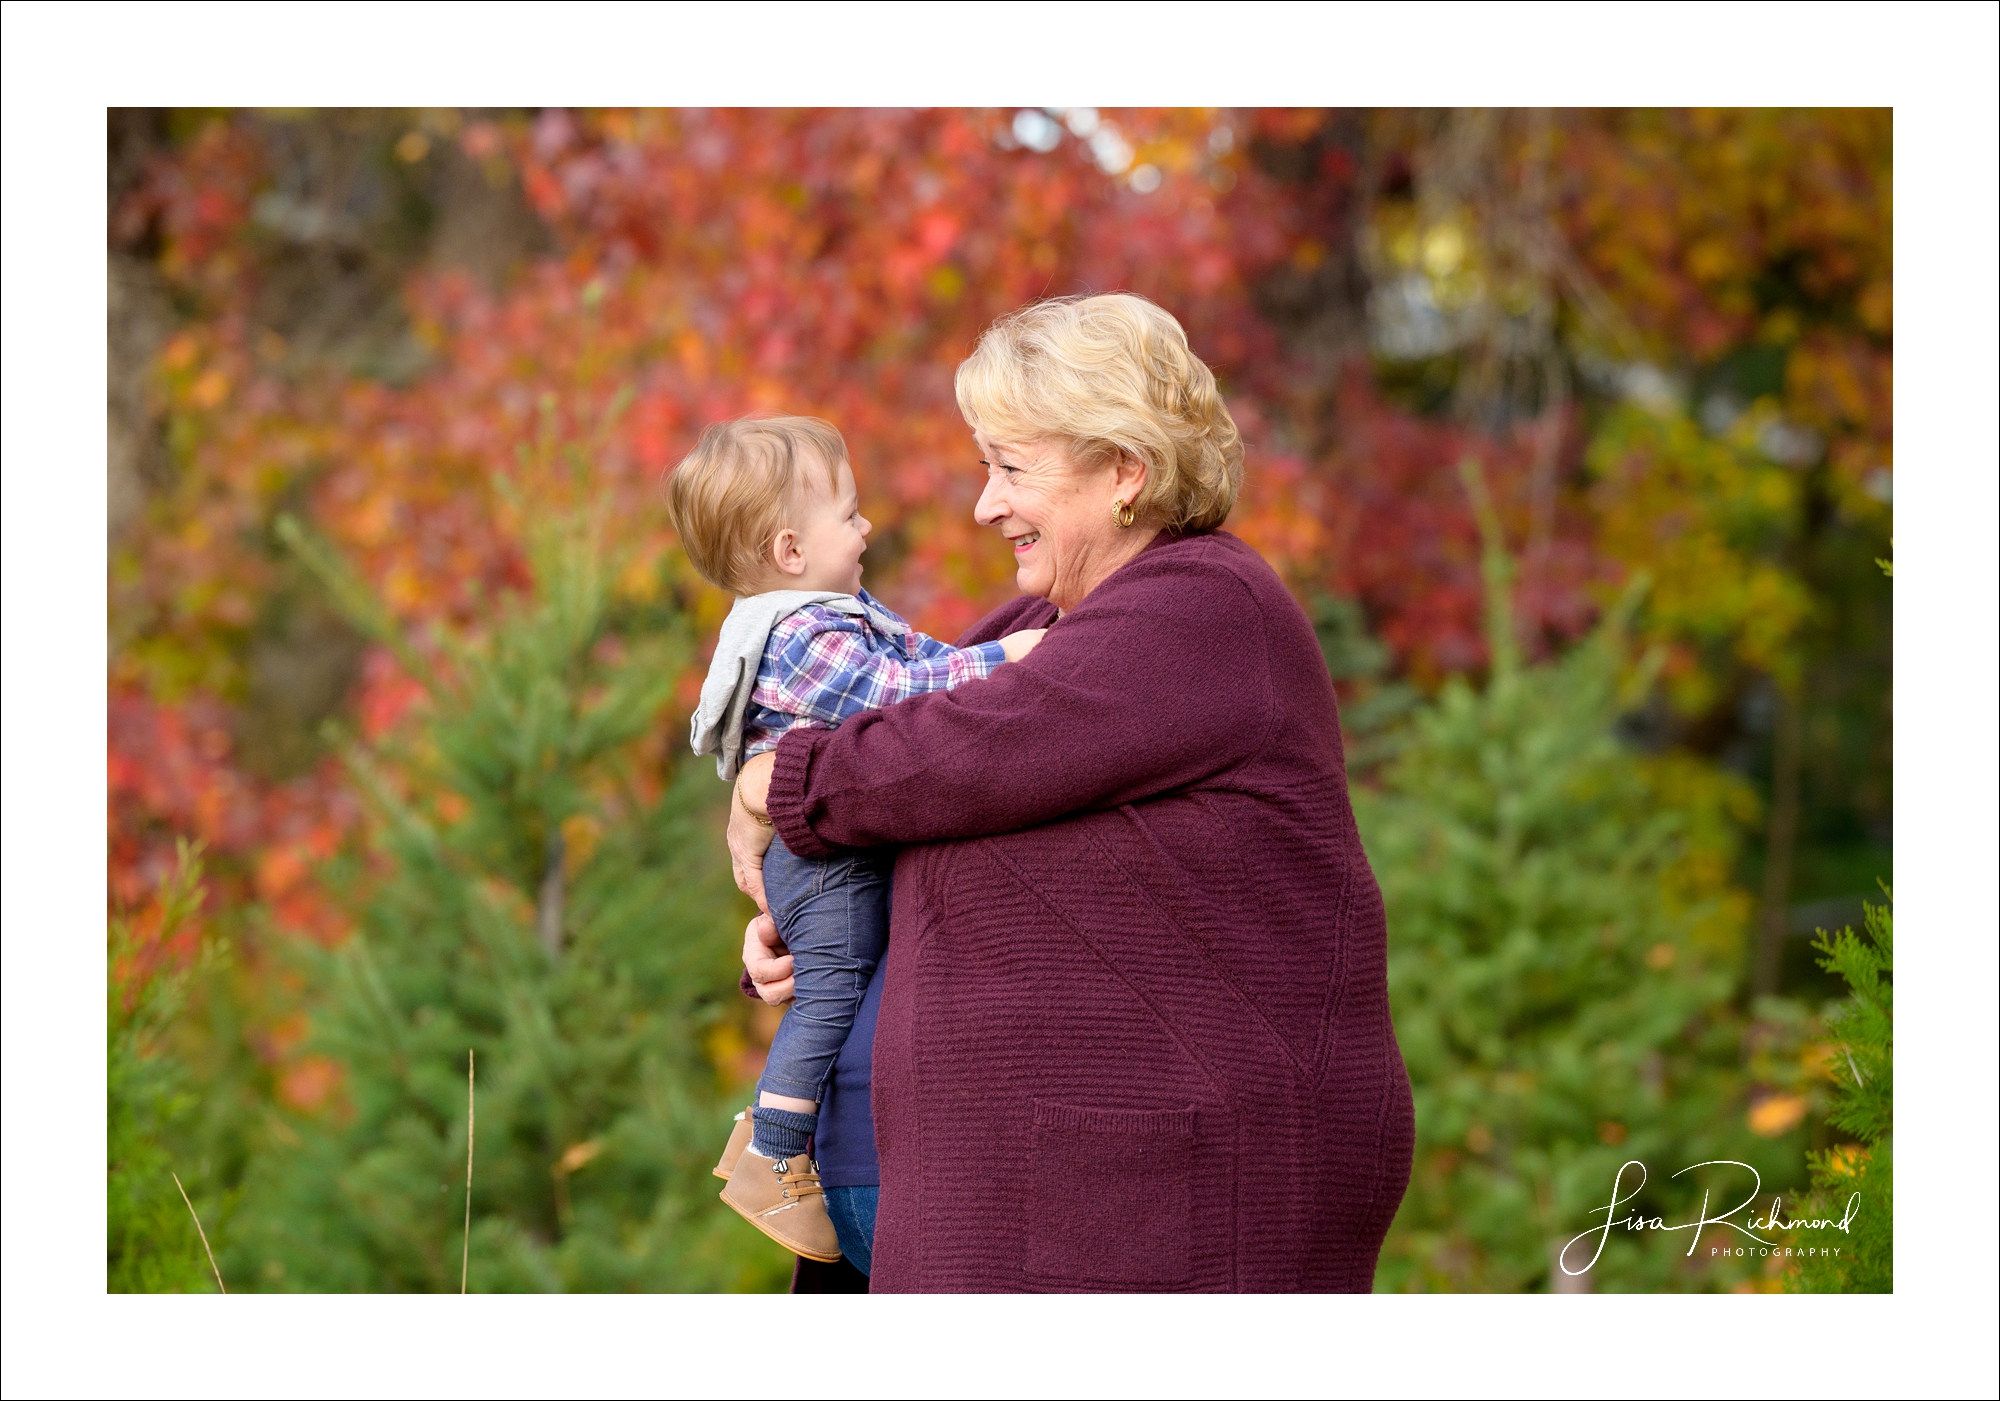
{"points": [[1057, 516]]}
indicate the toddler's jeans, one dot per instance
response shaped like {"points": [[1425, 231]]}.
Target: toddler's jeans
{"points": [[833, 915]]}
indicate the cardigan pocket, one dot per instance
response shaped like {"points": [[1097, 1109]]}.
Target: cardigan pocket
{"points": [[1118, 1192]]}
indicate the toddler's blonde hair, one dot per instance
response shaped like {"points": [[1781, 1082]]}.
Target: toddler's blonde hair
{"points": [[729, 498], [1106, 374]]}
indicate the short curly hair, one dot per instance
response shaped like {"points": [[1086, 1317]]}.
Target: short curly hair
{"points": [[1111, 373]]}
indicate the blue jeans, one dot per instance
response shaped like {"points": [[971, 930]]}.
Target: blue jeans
{"points": [[834, 917], [853, 1213]]}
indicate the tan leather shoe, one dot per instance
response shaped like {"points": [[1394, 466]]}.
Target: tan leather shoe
{"points": [[739, 1139], [782, 1198]]}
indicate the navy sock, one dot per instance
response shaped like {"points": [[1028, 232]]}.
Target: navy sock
{"points": [[780, 1133]]}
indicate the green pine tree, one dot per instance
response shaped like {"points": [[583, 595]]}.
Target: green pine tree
{"points": [[1562, 940], [530, 903], [1371, 704], [152, 1242], [1855, 1184]]}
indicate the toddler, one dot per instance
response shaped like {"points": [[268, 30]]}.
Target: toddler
{"points": [[766, 509]]}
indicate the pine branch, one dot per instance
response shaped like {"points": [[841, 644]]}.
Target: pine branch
{"points": [[1496, 566], [352, 596], [1863, 1026]]}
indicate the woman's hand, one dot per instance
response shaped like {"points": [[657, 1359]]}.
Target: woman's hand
{"points": [[1018, 644], [749, 838], [767, 961]]}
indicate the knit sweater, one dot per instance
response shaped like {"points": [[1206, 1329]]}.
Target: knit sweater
{"points": [[1135, 1030]]}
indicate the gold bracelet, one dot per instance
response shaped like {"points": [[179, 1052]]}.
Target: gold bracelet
{"points": [[744, 804]]}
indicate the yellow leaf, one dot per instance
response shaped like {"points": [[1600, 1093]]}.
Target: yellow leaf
{"points": [[211, 389], [1775, 1114], [580, 832], [577, 1154], [640, 580]]}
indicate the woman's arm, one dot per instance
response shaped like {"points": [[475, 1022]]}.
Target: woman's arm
{"points": [[1159, 681]]}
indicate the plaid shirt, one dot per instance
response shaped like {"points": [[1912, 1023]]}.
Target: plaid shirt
{"points": [[820, 667]]}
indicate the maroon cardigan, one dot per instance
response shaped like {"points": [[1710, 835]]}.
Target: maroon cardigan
{"points": [[1135, 1025]]}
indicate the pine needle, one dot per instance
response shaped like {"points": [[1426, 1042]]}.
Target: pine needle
{"points": [[199, 1231], [465, 1260]]}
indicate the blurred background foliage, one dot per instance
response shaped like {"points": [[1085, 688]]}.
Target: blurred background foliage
{"points": [[1571, 429]]}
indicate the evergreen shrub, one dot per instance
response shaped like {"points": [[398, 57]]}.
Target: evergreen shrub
{"points": [[1855, 1183], [542, 894], [1563, 945]]}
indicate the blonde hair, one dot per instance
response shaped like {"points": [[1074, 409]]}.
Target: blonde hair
{"points": [[729, 498], [1107, 374]]}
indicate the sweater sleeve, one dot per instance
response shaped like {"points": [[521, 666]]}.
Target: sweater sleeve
{"points": [[1159, 681]]}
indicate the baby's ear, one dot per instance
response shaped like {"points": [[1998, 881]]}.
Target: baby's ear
{"points": [[786, 554]]}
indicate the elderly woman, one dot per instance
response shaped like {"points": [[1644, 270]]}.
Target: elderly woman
{"points": [[1132, 1031]]}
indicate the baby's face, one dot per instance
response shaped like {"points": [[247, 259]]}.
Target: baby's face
{"points": [[832, 532]]}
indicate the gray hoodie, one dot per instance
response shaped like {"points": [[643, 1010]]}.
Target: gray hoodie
{"points": [[732, 675]]}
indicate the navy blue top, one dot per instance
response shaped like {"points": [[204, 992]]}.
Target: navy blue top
{"points": [[844, 1141]]}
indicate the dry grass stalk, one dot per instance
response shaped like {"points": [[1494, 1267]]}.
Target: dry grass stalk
{"points": [[465, 1260], [199, 1231]]}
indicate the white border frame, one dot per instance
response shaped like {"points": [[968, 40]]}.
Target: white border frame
{"points": [[64, 64]]}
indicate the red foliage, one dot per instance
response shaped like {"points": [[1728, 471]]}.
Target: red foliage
{"points": [[171, 776], [1402, 538]]}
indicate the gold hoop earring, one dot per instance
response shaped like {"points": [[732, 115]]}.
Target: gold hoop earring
{"points": [[1123, 514]]}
